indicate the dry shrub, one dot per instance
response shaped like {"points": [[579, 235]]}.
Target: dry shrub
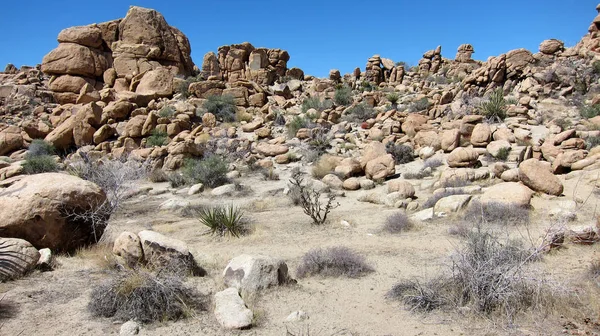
{"points": [[100, 255], [310, 199], [157, 176], [496, 213], [431, 201], [325, 165], [333, 262], [420, 296], [595, 269], [397, 223], [145, 296]]}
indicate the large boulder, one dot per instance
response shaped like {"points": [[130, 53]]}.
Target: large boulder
{"points": [[403, 187], [381, 167], [10, 139], [538, 176], [231, 311], [75, 59], [462, 157], [40, 208], [251, 273], [162, 251], [17, 258], [156, 83], [509, 193]]}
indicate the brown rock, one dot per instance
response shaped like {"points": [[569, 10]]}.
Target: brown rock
{"points": [[462, 157], [267, 149], [537, 176], [10, 140], [481, 135], [75, 59], [156, 83], [403, 187], [128, 246], [89, 36], [381, 167], [450, 140]]}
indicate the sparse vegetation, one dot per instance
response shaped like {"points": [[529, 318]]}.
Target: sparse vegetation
{"points": [[589, 111], [343, 96], [145, 296], [320, 140], [421, 174], [398, 223], [494, 107], [595, 269], [223, 107], [402, 153], [420, 297], [210, 171], [157, 138], [393, 98], [333, 262], [316, 103], [592, 142], [431, 201], [496, 213], [420, 105], [184, 86], [39, 158], [295, 124], [503, 153], [166, 112], [310, 200], [325, 165], [359, 113], [222, 221], [433, 163]]}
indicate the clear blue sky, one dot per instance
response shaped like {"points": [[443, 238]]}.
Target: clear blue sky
{"points": [[319, 35]]}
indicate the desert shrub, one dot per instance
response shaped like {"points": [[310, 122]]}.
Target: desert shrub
{"points": [[316, 103], [393, 98], [589, 111], [320, 140], [157, 138], [596, 67], [39, 164], [595, 269], [433, 163], [563, 123], [421, 174], [222, 221], [223, 107], [494, 107], [210, 171], [145, 296], [158, 175], [431, 201], [176, 180], [503, 153], [166, 112], [310, 200], [418, 296], [343, 96], [419, 105], [397, 223], [268, 174], [592, 142], [325, 165], [456, 182], [333, 262], [184, 86], [496, 213], [295, 124], [40, 147], [401, 153], [366, 86], [360, 113]]}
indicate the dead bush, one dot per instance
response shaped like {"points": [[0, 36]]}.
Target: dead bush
{"points": [[420, 297], [310, 199], [145, 296], [325, 165], [496, 213], [595, 269], [397, 223], [333, 262]]}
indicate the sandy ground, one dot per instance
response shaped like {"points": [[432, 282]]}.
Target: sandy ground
{"points": [[54, 303]]}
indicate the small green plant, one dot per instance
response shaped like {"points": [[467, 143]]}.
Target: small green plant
{"points": [[343, 96], [420, 105], [503, 153], [596, 67], [366, 86], [166, 112], [223, 221], [320, 140], [211, 171], [393, 98], [592, 142], [563, 123], [157, 138], [590, 111], [402, 153], [316, 103], [295, 124], [40, 147], [184, 86], [360, 113], [223, 107], [39, 159], [494, 108]]}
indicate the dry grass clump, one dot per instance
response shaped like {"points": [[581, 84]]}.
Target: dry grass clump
{"points": [[487, 274], [431, 201], [145, 296], [496, 213], [595, 269], [397, 223], [325, 165], [333, 262]]}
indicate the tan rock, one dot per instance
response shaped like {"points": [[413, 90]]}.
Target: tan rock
{"points": [[508, 193], [462, 157], [481, 135], [403, 187], [128, 246], [19, 257], [349, 167], [156, 83], [372, 150], [352, 183], [10, 139], [75, 59], [267, 149], [450, 140], [381, 167], [537, 176]]}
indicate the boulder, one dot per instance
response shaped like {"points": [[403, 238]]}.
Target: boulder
{"points": [[10, 140], [75, 59], [537, 176], [510, 193], [251, 273], [156, 83], [496, 146], [164, 251], [403, 187], [332, 181], [267, 149], [381, 167], [451, 204], [450, 140], [551, 47], [37, 207], [462, 157], [348, 167], [372, 150], [231, 311], [128, 246], [352, 183], [89, 36], [17, 258]]}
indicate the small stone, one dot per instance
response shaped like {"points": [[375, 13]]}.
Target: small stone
{"points": [[129, 328], [297, 316], [231, 311], [196, 189]]}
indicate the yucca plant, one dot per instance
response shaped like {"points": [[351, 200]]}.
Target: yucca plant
{"points": [[495, 106], [223, 221]]}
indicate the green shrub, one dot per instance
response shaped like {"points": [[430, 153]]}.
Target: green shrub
{"points": [[495, 106], [39, 164], [223, 107], [366, 86], [157, 139], [393, 98], [420, 105], [503, 153], [184, 86], [295, 124], [223, 221], [596, 67], [343, 96], [316, 103], [166, 112], [360, 113], [592, 142], [40, 147], [176, 180], [210, 171], [402, 153], [590, 111]]}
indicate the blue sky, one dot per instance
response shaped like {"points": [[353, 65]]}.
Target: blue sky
{"points": [[319, 35]]}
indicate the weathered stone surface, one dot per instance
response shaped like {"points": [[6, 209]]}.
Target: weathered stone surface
{"points": [[462, 157], [156, 83], [508, 193], [537, 176], [380, 167], [128, 246], [75, 59], [403, 187], [161, 250], [10, 139], [451, 204], [252, 273], [551, 47], [267, 149], [34, 207], [18, 258], [231, 311]]}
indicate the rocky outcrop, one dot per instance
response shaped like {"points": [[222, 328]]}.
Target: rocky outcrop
{"points": [[40, 208], [116, 53], [431, 61]]}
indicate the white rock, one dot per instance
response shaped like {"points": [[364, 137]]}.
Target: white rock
{"points": [[195, 189], [129, 328], [251, 273], [231, 311], [226, 189], [297, 316]]}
